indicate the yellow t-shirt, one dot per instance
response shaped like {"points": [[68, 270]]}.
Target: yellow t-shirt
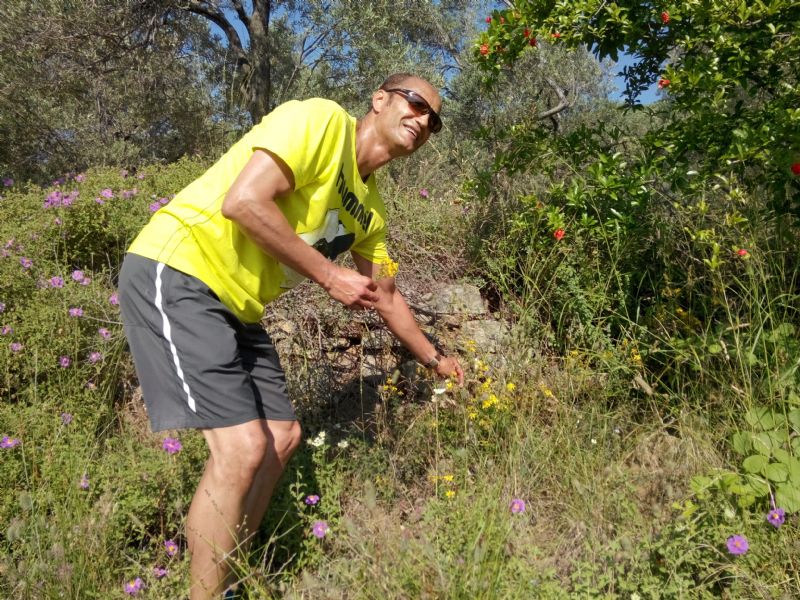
{"points": [[331, 208]]}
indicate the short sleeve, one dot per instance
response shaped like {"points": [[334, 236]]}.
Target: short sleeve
{"points": [[304, 135]]}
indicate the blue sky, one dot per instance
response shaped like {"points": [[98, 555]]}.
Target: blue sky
{"points": [[647, 97]]}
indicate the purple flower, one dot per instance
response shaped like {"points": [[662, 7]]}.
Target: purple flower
{"points": [[424, 192], [66, 418], [6, 330], [76, 311], [95, 357], [517, 506], [312, 500], [132, 587], [56, 282], [171, 548], [159, 572], [319, 529], [77, 275], [80, 177], [776, 517], [154, 207], [8, 182], [171, 445], [106, 193], [26, 263], [64, 361], [57, 221], [9, 442], [114, 299], [737, 545], [2, 307], [99, 200], [104, 333], [85, 281], [84, 482], [15, 346], [140, 176], [163, 201]]}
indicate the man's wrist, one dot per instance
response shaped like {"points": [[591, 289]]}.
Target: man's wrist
{"points": [[433, 362]]}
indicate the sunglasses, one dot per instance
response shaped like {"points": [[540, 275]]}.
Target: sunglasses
{"points": [[421, 106]]}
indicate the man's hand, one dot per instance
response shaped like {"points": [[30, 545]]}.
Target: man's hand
{"points": [[350, 288], [450, 367]]}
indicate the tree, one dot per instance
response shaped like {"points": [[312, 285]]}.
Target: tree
{"points": [[101, 83]]}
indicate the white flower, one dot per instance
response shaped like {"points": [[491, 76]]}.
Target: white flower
{"points": [[439, 390], [343, 444], [594, 441], [317, 441]]}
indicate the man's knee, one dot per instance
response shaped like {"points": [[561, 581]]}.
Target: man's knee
{"points": [[237, 455], [286, 436]]}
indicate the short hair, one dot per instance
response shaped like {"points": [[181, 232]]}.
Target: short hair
{"points": [[396, 79]]}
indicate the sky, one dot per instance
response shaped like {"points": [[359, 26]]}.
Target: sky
{"points": [[647, 97]]}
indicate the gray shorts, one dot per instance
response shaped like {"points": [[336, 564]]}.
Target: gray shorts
{"points": [[197, 363]]}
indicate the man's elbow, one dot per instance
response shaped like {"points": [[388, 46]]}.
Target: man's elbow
{"points": [[233, 207]]}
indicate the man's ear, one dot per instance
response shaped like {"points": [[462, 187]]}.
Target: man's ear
{"points": [[379, 100]]}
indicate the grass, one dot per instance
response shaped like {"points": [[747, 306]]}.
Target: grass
{"points": [[416, 487]]}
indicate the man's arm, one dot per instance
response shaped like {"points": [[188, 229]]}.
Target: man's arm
{"points": [[394, 310], [250, 203]]}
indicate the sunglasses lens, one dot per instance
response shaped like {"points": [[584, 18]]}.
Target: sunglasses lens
{"points": [[421, 106]]}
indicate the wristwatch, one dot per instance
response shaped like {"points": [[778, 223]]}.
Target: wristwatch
{"points": [[434, 362]]}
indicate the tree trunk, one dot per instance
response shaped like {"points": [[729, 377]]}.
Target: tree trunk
{"points": [[257, 87]]}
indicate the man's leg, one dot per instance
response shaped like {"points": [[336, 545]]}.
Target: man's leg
{"points": [[243, 458], [283, 438]]}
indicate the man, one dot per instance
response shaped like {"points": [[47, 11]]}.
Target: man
{"points": [[294, 192]]}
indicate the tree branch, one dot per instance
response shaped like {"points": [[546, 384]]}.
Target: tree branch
{"points": [[215, 15], [563, 102], [241, 13]]}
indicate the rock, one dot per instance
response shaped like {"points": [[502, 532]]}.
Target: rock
{"points": [[489, 336], [461, 299]]}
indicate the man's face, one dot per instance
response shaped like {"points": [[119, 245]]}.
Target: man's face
{"points": [[406, 127]]}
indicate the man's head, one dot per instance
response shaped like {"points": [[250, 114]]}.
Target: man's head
{"points": [[406, 111]]}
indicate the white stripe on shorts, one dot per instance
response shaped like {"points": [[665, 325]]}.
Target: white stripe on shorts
{"points": [[168, 337]]}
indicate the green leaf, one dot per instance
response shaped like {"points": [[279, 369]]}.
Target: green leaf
{"points": [[794, 419], [755, 463], [762, 443], [760, 416], [756, 485], [714, 348], [793, 465], [787, 496], [777, 472], [742, 443]]}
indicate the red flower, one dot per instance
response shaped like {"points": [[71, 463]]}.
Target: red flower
{"points": [[532, 41], [558, 234], [488, 19], [742, 252], [527, 33], [796, 168], [484, 49], [556, 35], [665, 17], [663, 82]]}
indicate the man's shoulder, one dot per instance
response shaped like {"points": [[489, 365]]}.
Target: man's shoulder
{"points": [[312, 107]]}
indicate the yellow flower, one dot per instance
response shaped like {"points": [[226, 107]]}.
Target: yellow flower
{"points": [[449, 385], [490, 401], [546, 391], [389, 268], [447, 477], [450, 493], [472, 414], [511, 386]]}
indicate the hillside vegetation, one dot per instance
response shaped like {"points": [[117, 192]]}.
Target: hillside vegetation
{"points": [[637, 435]]}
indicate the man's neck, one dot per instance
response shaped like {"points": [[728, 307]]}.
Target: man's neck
{"points": [[371, 151]]}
